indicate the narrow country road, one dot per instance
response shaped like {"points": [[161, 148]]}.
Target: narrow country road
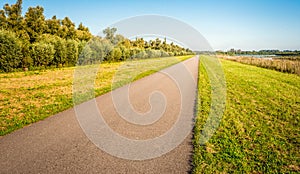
{"points": [[58, 144]]}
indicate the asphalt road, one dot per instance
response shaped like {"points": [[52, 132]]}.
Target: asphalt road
{"points": [[58, 144]]}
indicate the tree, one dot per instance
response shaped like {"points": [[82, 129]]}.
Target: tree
{"points": [[118, 39], [53, 26], [11, 51], [81, 27], [85, 56], [125, 52], [110, 33], [139, 42], [68, 29], [157, 44], [14, 15], [35, 22], [115, 54], [42, 54], [83, 33], [59, 45], [72, 52], [3, 22], [33, 39]]}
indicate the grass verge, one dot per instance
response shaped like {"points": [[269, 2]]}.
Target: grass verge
{"points": [[259, 131], [27, 97]]}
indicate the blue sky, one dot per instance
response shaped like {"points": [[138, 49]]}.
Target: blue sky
{"points": [[240, 24]]}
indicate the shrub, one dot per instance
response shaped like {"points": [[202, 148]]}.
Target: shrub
{"points": [[42, 54], [59, 45], [11, 51], [72, 52]]}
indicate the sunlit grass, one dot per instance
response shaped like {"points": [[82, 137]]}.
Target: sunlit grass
{"points": [[287, 65], [27, 97], [259, 132]]}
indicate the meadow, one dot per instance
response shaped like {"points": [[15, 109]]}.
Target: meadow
{"points": [[287, 64], [27, 97], [259, 131]]}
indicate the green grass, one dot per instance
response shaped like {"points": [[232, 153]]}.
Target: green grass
{"points": [[259, 131], [27, 97]]}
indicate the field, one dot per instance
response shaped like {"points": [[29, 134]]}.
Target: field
{"points": [[259, 131], [282, 64], [27, 97]]}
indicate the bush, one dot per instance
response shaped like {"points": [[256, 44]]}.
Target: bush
{"points": [[125, 53], [59, 44], [85, 57], [42, 54], [11, 51], [72, 52]]}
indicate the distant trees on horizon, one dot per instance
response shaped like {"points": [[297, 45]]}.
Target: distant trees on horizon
{"points": [[233, 52]]}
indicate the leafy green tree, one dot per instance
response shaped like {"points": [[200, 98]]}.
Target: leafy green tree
{"points": [[85, 56], [110, 33], [56, 36], [60, 56], [53, 26], [116, 54], [81, 45], [157, 44], [35, 22], [11, 51], [139, 42], [118, 39], [125, 53], [59, 45], [68, 29], [27, 61], [3, 22], [83, 33], [13, 14], [42, 54], [72, 52]]}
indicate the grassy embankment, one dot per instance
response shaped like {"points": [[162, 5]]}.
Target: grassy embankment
{"points": [[27, 97], [259, 131]]}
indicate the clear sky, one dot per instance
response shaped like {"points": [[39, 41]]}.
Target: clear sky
{"points": [[240, 24]]}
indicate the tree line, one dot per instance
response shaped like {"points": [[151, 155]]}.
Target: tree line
{"points": [[115, 47], [233, 52], [31, 41]]}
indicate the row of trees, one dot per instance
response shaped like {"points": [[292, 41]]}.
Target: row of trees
{"points": [[115, 47], [260, 52], [34, 24], [31, 41], [47, 51]]}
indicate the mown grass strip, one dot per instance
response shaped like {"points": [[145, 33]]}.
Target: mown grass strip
{"points": [[259, 132], [27, 97]]}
